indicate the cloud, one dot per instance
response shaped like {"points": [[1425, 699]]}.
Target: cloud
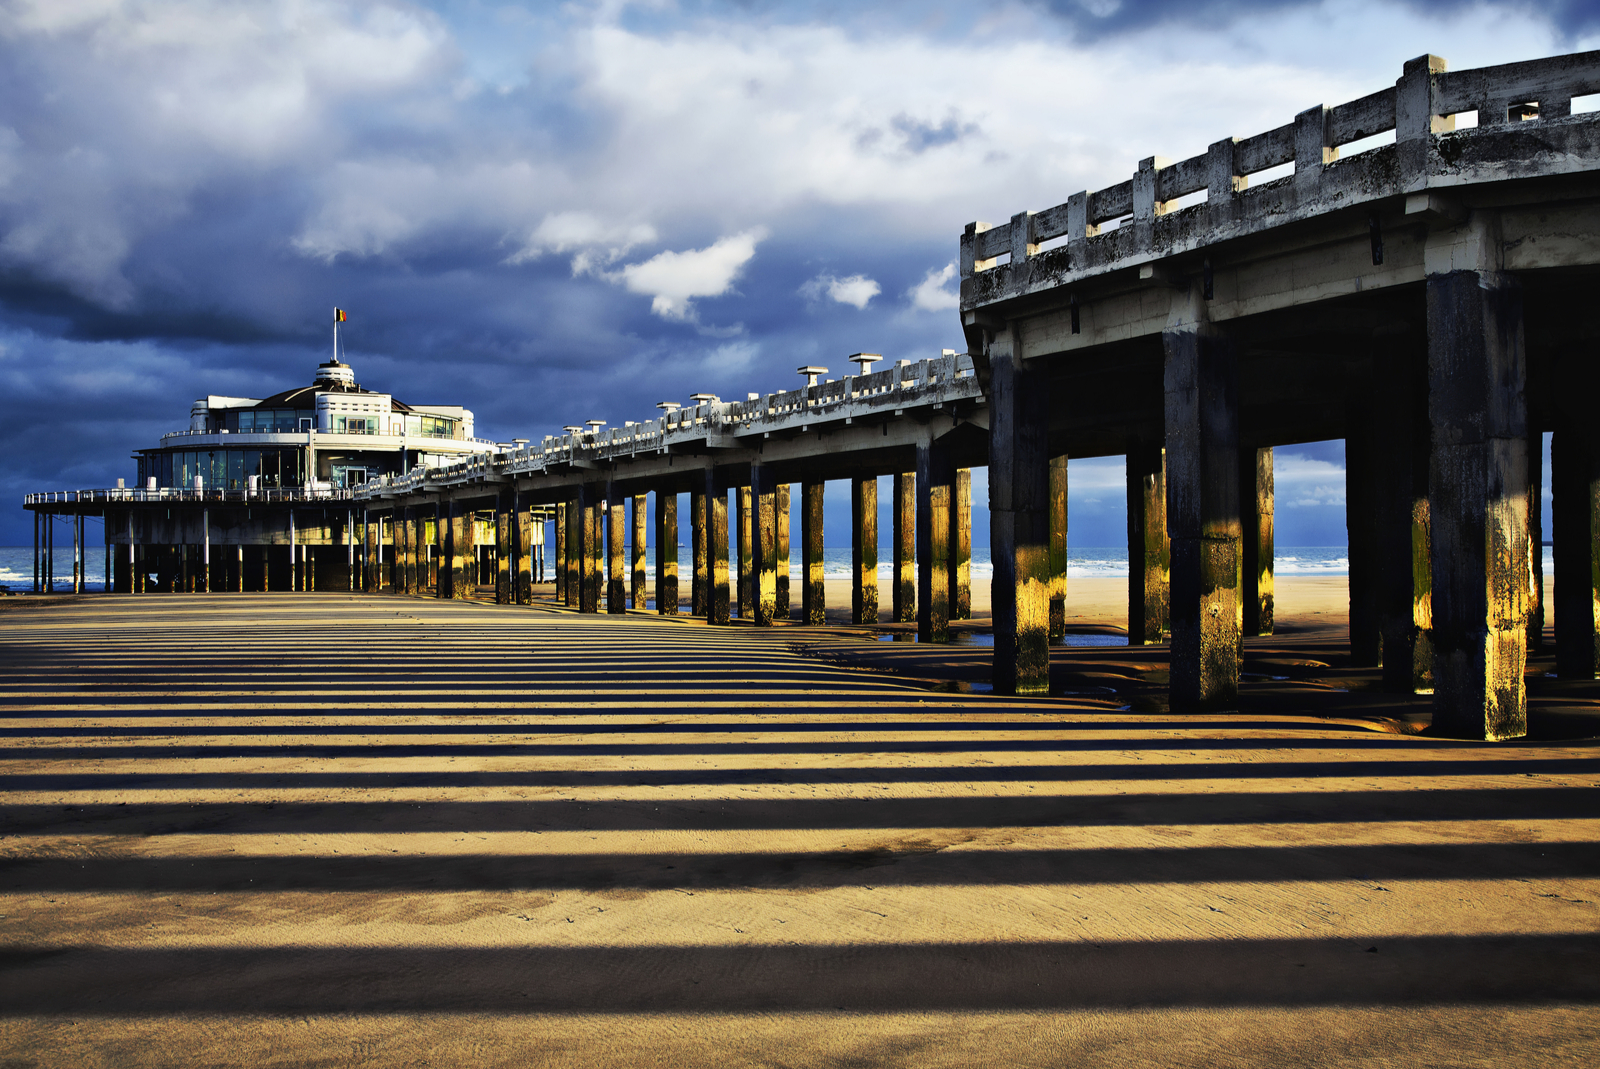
{"points": [[599, 242], [855, 290], [930, 294], [673, 279], [1300, 481]]}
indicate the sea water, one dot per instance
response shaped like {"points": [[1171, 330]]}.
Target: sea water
{"points": [[1085, 562]]}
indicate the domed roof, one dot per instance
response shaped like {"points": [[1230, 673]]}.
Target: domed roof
{"points": [[332, 377]]}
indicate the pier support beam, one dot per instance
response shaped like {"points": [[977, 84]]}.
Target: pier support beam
{"points": [[1477, 484], [1149, 551], [1058, 547], [961, 548], [744, 546], [1202, 418], [1536, 607], [563, 553], [1575, 527], [864, 549], [716, 547], [906, 505], [591, 549], [1256, 494], [813, 592], [1400, 397], [935, 482], [783, 551], [616, 554], [524, 541], [699, 576], [763, 545], [1019, 518], [639, 515], [666, 552], [505, 553]]}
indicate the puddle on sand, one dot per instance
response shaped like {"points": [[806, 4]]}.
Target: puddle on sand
{"points": [[986, 638]]}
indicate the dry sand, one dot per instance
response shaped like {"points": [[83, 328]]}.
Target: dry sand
{"points": [[338, 830]]}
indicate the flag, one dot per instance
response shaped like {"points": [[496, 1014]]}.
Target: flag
{"points": [[338, 315]]}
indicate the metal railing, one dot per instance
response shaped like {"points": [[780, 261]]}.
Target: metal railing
{"points": [[179, 494]]}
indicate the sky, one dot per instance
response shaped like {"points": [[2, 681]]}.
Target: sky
{"points": [[558, 212]]}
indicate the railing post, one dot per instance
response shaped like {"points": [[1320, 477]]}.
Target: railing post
{"points": [[1416, 119], [1146, 205]]}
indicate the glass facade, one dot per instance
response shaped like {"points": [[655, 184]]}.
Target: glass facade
{"points": [[265, 420], [225, 469], [431, 426]]}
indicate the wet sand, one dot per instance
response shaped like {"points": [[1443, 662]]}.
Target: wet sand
{"points": [[343, 830]]}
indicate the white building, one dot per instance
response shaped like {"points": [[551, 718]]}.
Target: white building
{"points": [[332, 433]]}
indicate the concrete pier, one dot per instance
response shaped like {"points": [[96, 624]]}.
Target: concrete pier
{"points": [[716, 545], [1019, 520], [1257, 504], [864, 549], [1149, 553], [935, 501], [616, 553], [813, 595], [639, 517], [667, 553], [783, 550], [1058, 547], [904, 583]]}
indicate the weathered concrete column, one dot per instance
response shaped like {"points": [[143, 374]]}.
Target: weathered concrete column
{"points": [[961, 548], [783, 551], [522, 525], [864, 549], [639, 515], [1363, 466], [463, 551], [563, 553], [905, 547], [1575, 530], [616, 554], [1149, 550], [716, 547], [813, 596], [699, 576], [205, 550], [372, 539], [445, 533], [1535, 539], [1400, 403], [1202, 418], [745, 548], [1019, 519], [763, 545], [1477, 484], [667, 552], [935, 483], [592, 546], [1058, 547], [504, 551], [1256, 506]]}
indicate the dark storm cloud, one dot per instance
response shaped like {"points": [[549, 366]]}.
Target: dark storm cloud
{"points": [[1093, 19]]}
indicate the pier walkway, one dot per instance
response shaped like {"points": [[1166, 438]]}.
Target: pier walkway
{"points": [[340, 829]]}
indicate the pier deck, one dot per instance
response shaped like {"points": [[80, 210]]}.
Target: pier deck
{"points": [[349, 830]]}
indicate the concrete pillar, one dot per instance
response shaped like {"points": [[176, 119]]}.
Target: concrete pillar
{"points": [[238, 568], [864, 549], [504, 551], [616, 554], [591, 548], [1535, 539], [1575, 530], [1202, 419], [1477, 480], [716, 547], [781, 541], [77, 554], [1058, 547], [961, 548], [666, 552], [1256, 505], [744, 546], [1363, 464], [763, 545], [699, 576], [639, 514], [935, 489], [205, 550], [563, 553], [371, 543], [445, 584], [813, 595], [522, 524], [1149, 551], [1019, 519], [1400, 399], [905, 546], [350, 549]]}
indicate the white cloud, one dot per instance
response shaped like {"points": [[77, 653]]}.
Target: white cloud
{"points": [[930, 294], [673, 279], [855, 290], [598, 242], [1302, 482]]}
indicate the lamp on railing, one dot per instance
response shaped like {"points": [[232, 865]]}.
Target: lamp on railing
{"points": [[705, 398], [573, 428], [594, 425], [811, 372], [866, 360]]}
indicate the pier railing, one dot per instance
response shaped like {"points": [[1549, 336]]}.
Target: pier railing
{"points": [[188, 496], [1139, 220], [724, 424]]}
